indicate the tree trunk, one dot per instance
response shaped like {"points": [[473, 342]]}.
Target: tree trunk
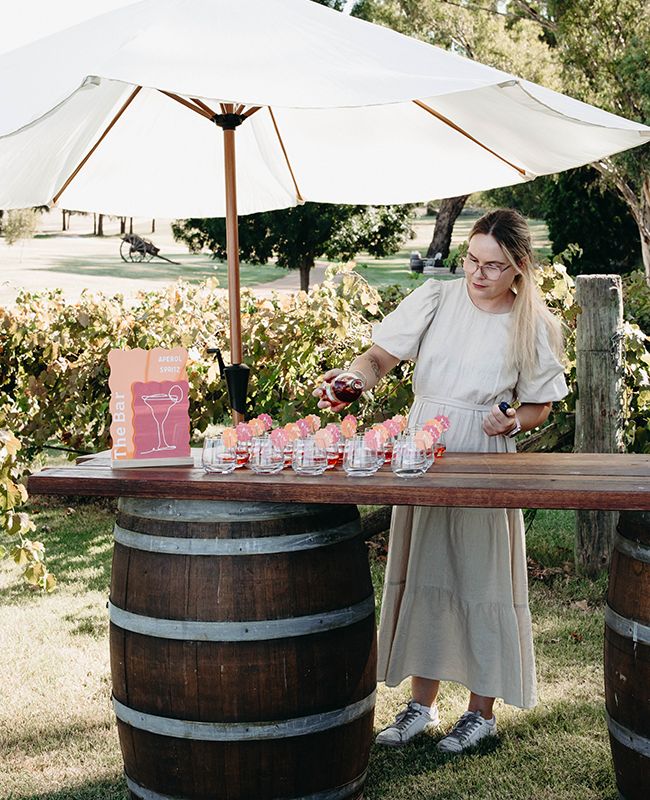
{"points": [[448, 213], [644, 226], [639, 206], [63, 220], [122, 225], [306, 263], [599, 417], [376, 522], [100, 225], [130, 224], [153, 226]]}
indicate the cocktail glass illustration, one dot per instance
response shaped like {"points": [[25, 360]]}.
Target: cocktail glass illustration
{"points": [[160, 405]]}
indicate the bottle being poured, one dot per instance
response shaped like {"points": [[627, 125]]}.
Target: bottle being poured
{"points": [[344, 388]]}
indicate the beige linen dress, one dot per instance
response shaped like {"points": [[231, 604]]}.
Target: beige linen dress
{"points": [[455, 604]]}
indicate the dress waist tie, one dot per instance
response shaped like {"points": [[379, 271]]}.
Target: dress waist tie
{"points": [[422, 398]]}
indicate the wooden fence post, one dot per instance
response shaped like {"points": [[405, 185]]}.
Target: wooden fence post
{"points": [[599, 417]]}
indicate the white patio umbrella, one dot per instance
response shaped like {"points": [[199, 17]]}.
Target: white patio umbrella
{"points": [[116, 114]]}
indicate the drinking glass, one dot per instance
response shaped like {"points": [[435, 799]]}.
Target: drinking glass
{"points": [[360, 459], [430, 450], [265, 457], [309, 457], [333, 455], [288, 453], [243, 449], [218, 456], [410, 457], [439, 447]]}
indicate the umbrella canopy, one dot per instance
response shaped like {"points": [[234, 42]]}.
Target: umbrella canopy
{"points": [[116, 114], [350, 113]]}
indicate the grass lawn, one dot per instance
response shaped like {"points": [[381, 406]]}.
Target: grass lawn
{"points": [[190, 267], [57, 732], [197, 267], [395, 269]]}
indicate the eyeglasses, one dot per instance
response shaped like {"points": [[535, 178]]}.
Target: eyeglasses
{"points": [[490, 271]]}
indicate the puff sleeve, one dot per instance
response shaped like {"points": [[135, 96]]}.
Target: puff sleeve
{"points": [[547, 384], [400, 332]]}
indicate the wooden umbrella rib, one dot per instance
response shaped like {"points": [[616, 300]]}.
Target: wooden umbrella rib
{"points": [[293, 177], [455, 127], [131, 98], [203, 106], [204, 112]]}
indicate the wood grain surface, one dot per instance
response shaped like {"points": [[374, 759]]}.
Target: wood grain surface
{"points": [[497, 480]]}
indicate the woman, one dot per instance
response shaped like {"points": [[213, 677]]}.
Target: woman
{"points": [[455, 603]]}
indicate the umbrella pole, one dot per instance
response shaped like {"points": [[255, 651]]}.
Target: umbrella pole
{"points": [[232, 253]]}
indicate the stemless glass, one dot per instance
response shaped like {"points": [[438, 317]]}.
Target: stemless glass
{"points": [[430, 449], [218, 456], [439, 447], [288, 453], [360, 459], [309, 457], [410, 457], [333, 455], [265, 457], [242, 453]]}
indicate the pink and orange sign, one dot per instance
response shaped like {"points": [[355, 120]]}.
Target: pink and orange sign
{"points": [[149, 407]]}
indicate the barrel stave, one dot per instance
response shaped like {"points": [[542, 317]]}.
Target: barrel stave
{"points": [[284, 768], [243, 651], [263, 681], [627, 655], [311, 518], [627, 682], [251, 587]]}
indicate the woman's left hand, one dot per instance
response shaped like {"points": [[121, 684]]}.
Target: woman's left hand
{"points": [[497, 423]]}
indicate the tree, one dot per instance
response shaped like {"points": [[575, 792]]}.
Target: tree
{"points": [[448, 213], [500, 39], [298, 236], [603, 49], [528, 198], [594, 50], [580, 210], [20, 223]]}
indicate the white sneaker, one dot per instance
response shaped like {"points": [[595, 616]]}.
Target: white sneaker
{"points": [[469, 730], [408, 723]]}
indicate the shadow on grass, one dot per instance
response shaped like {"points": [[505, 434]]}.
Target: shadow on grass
{"points": [[96, 790], [45, 740], [113, 267], [77, 533], [191, 268], [560, 751]]}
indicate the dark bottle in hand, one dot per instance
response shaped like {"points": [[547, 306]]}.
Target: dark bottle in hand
{"points": [[344, 388]]}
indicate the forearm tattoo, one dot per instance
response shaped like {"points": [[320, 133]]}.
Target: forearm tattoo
{"points": [[374, 366]]}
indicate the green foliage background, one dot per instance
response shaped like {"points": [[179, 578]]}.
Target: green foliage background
{"points": [[54, 356], [13, 523], [297, 236], [578, 208]]}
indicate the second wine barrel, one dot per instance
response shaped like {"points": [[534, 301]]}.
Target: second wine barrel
{"points": [[627, 656], [243, 650]]}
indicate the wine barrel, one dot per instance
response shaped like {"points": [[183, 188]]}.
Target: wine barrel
{"points": [[243, 650], [627, 656]]}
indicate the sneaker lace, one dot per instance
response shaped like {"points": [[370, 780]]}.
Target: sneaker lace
{"points": [[466, 725], [404, 718]]}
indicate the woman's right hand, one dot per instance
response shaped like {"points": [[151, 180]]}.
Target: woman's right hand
{"points": [[319, 392]]}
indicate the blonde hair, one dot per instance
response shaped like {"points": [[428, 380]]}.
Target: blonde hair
{"points": [[513, 235]]}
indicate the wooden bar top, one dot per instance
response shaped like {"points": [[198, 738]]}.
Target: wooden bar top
{"points": [[497, 480]]}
